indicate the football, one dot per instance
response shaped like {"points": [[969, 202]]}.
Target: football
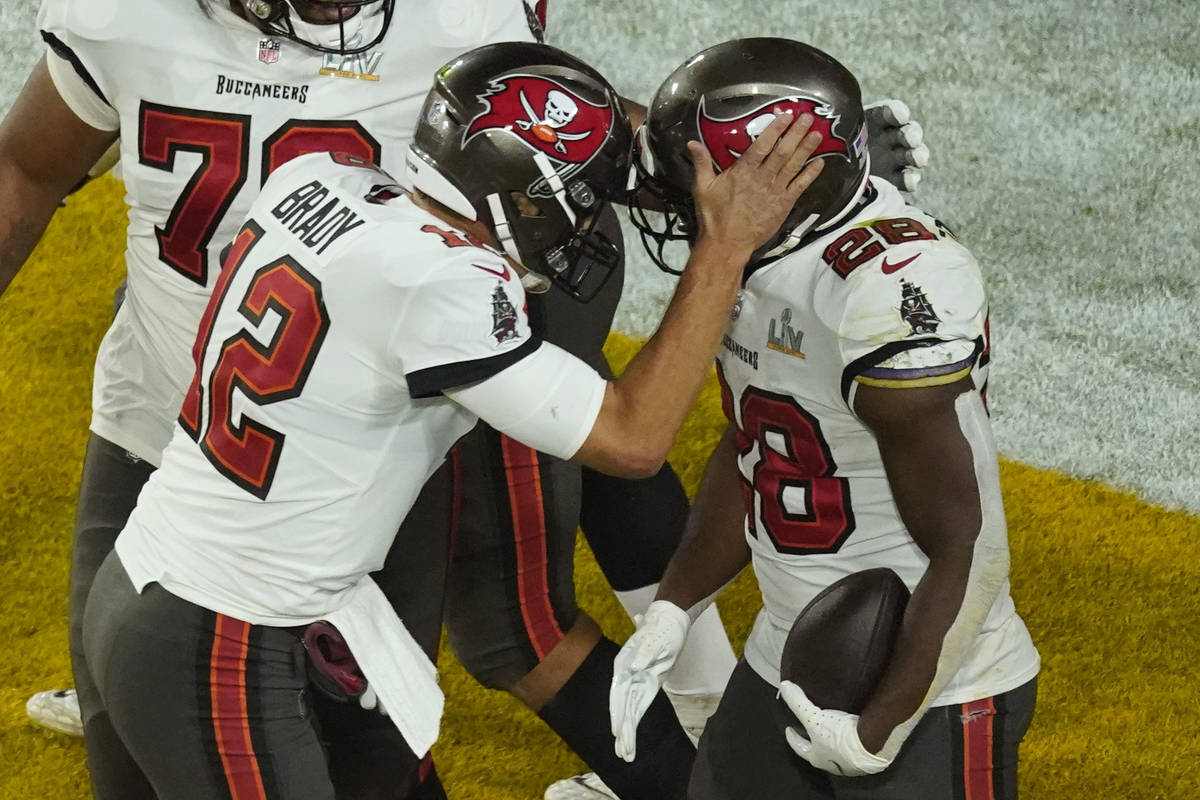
{"points": [[840, 643]]}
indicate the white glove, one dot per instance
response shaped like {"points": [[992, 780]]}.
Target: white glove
{"points": [[832, 744], [368, 700], [640, 667], [896, 143]]}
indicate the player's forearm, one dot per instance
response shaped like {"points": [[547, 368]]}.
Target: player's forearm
{"points": [[931, 611], [45, 150], [713, 549], [961, 588], [24, 213], [645, 407]]}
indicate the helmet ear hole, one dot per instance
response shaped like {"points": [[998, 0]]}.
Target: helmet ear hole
{"points": [[525, 205]]}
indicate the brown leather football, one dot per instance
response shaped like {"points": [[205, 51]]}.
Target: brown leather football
{"points": [[840, 643]]}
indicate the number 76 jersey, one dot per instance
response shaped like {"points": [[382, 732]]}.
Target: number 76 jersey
{"points": [[888, 299]]}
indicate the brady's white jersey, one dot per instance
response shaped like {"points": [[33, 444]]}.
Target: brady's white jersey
{"points": [[317, 412], [350, 340], [889, 299], [207, 107]]}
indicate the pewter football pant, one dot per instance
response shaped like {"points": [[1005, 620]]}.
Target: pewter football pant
{"points": [[209, 706], [361, 746], [955, 752]]}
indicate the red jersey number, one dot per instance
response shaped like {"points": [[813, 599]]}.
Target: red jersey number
{"points": [[793, 495], [247, 452], [859, 245], [223, 143]]}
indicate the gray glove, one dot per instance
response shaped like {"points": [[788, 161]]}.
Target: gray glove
{"points": [[896, 144]]}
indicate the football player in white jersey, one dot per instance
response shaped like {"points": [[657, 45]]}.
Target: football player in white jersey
{"points": [[854, 373], [208, 112], [356, 331], [249, 86]]}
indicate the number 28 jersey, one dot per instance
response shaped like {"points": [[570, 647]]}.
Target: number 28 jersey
{"points": [[207, 106], [888, 299]]}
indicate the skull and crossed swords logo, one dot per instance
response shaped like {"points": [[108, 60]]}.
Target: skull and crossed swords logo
{"points": [[560, 111]]}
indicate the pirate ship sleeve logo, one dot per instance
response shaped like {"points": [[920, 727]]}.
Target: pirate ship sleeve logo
{"points": [[916, 309], [547, 117], [504, 316], [727, 138]]}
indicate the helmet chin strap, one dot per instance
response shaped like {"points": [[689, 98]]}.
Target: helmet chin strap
{"points": [[554, 180], [335, 34], [533, 282]]}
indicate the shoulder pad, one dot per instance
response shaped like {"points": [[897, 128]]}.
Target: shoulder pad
{"points": [[924, 290]]}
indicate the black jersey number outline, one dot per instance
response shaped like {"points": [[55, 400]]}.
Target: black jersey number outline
{"points": [[247, 452], [793, 495]]}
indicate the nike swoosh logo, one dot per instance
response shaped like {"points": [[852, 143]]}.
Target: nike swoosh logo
{"points": [[502, 274], [888, 269]]}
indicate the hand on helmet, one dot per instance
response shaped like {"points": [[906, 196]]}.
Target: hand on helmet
{"points": [[743, 206], [896, 143]]}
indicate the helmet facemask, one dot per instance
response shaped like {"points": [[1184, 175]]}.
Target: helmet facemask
{"points": [[585, 262], [352, 33], [660, 214], [553, 234]]}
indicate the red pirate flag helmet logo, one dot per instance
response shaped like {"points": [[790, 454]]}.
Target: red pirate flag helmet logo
{"points": [[727, 138], [547, 116]]}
